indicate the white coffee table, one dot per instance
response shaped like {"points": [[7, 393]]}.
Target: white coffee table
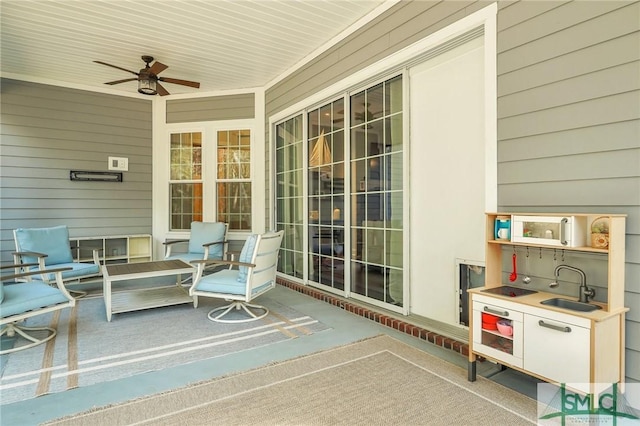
{"points": [[154, 297]]}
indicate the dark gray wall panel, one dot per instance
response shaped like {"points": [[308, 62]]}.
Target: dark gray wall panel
{"points": [[48, 131], [228, 107]]}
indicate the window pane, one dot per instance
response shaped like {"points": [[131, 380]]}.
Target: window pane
{"points": [[234, 154], [185, 205], [186, 156], [338, 115], [186, 165], [234, 167], [393, 96], [393, 132], [234, 204]]}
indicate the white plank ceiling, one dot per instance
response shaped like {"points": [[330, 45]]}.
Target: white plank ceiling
{"points": [[223, 44]]}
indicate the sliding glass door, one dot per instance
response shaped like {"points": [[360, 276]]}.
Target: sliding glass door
{"points": [[326, 194], [377, 192], [344, 229], [290, 196]]}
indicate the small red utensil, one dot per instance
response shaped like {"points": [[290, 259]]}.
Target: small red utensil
{"points": [[514, 274]]}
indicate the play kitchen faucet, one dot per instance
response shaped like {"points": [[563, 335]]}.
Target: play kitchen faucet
{"points": [[585, 292]]}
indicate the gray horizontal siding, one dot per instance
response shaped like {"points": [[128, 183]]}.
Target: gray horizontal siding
{"points": [[593, 112], [614, 80], [569, 120], [622, 135], [228, 107], [48, 131], [606, 54], [567, 36], [400, 26]]}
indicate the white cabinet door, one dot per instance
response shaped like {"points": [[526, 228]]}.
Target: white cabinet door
{"points": [[556, 350]]}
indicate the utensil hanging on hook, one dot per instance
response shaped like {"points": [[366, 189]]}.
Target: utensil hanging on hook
{"points": [[514, 273], [526, 279], [554, 283]]}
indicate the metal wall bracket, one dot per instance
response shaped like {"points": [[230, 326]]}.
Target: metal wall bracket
{"points": [[95, 176]]}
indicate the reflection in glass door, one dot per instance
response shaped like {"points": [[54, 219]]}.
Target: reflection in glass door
{"points": [[370, 224], [290, 196], [377, 192], [326, 194]]}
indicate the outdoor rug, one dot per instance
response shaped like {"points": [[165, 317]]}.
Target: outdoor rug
{"points": [[89, 350], [378, 381]]}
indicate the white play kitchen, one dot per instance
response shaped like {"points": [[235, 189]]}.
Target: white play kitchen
{"points": [[563, 319]]}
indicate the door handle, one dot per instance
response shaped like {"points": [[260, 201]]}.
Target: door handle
{"points": [[494, 312], [563, 224], [564, 329]]}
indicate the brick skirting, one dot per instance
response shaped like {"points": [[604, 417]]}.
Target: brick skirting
{"points": [[379, 317]]}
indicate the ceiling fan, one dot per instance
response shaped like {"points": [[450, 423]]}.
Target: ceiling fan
{"points": [[147, 77]]}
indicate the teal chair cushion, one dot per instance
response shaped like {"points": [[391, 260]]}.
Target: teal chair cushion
{"points": [[207, 232], [245, 256], [78, 270], [54, 242], [1, 292], [226, 282], [22, 297]]}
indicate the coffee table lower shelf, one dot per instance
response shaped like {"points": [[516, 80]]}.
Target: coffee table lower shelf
{"points": [[137, 300]]}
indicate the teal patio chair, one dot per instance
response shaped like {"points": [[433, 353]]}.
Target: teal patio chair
{"points": [[50, 248], [254, 276], [208, 240], [22, 300]]}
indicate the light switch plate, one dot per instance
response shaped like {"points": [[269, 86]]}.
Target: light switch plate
{"points": [[119, 163]]}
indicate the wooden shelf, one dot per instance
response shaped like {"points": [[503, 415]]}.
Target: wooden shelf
{"points": [[543, 246], [614, 253], [115, 248]]}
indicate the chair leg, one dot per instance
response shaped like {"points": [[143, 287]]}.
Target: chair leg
{"points": [[237, 305], [10, 330]]}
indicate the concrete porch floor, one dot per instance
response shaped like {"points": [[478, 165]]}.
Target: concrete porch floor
{"points": [[348, 323]]}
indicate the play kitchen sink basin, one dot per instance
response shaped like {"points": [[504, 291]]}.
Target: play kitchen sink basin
{"points": [[572, 305], [509, 291]]}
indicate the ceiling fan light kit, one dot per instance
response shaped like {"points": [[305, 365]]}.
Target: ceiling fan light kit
{"points": [[147, 77], [147, 84]]}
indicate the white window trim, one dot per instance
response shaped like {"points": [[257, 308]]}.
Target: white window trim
{"points": [[209, 129]]}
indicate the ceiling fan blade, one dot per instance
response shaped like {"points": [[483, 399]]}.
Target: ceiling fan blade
{"points": [[122, 81], [157, 68], [114, 66], [161, 90], [182, 82]]}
